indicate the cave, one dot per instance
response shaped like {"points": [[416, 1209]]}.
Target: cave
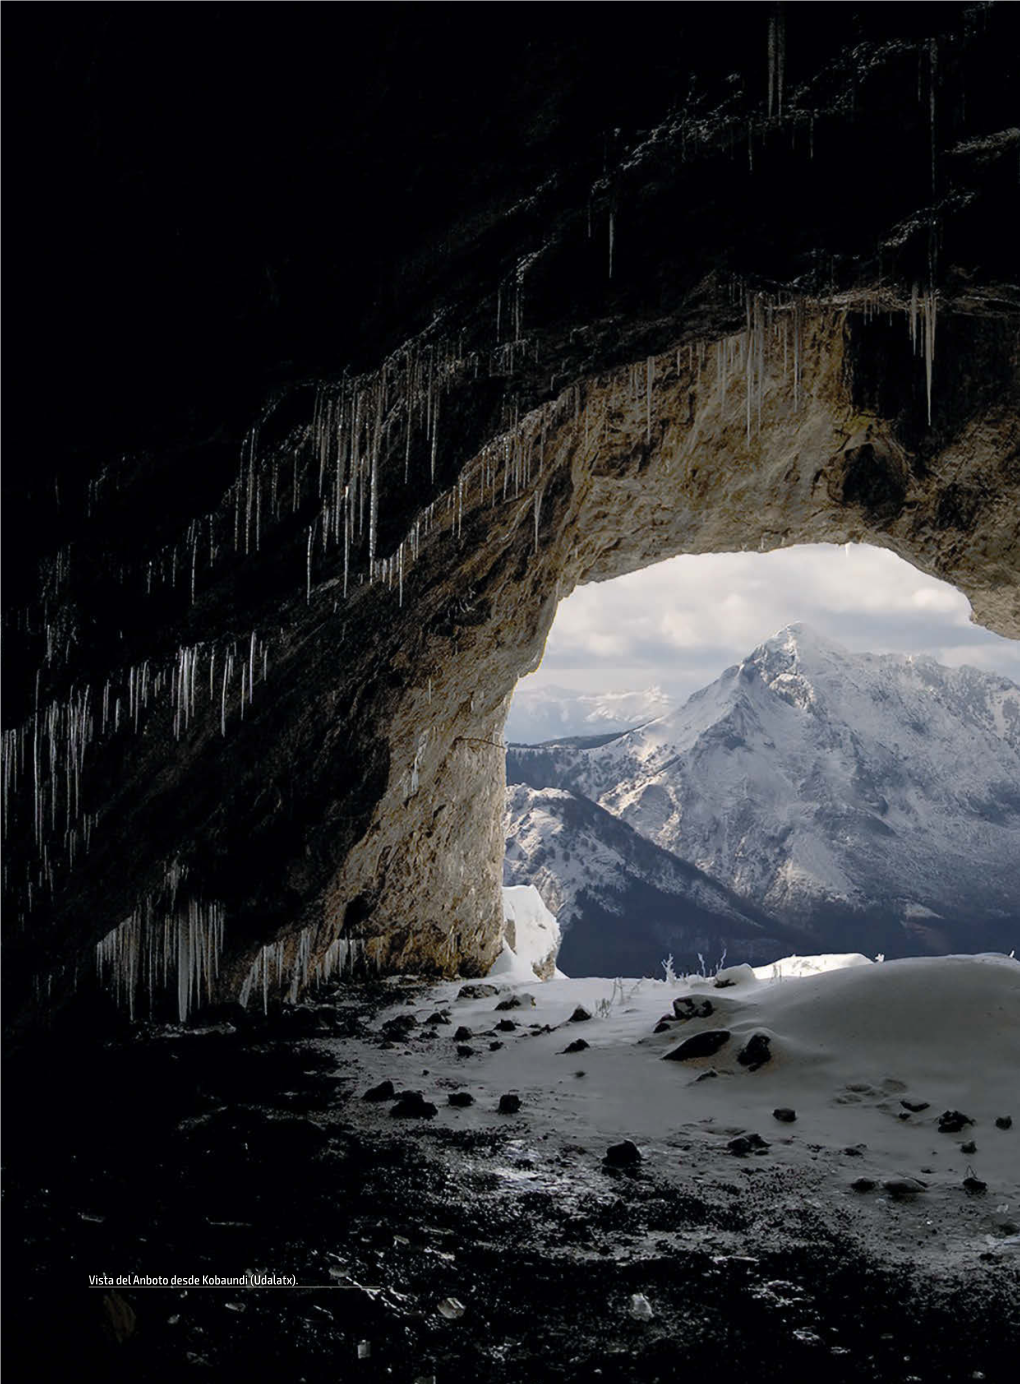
{"points": [[341, 362], [301, 617]]}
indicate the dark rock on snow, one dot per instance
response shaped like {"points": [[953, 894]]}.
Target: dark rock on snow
{"points": [[755, 1052], [384, 1091], [688, 1008], [623, 1155], [744, 1144], [509, 1104], [413, 1105], [704, 1044], [952, 1121]]}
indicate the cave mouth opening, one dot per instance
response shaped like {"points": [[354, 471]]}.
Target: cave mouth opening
{"points": [[816, 784]]}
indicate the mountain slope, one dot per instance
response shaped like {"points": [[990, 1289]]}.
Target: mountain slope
{"points": [[869, 798], [623, 903]]}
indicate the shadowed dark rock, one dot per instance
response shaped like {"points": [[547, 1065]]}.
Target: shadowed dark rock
{"points": [[952, 1121], [623, 1155], [744, 1144], [755, 1052], [705, 1044], [413, 1105]]}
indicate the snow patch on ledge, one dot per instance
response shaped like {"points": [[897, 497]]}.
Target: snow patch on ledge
{"points": [[531, 936]]}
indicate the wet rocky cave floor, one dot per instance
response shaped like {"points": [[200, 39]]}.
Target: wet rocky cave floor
{"points": [[418, 1252]]}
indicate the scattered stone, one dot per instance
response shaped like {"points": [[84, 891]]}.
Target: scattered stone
{"points": [[509, 1104], [580, 1015], [687, 1008], [495, 1046], [384, 1091], [864, 1184], [952, 1121], [1004, 1122], [462, 1034], [704, 1044], [438, 1018], [640, 1308], [578, 1045], [784, 1114], [974, 1185], [477, 992], [904, 1186], [580, 1074], [451, 1309], [625, 1155], [399, 1026], [661, 1027], [460, 1098], [413, 1105], [506, 1026], [517, 1002], [464, 1051], [723, 982], [968, 1147], [755, 1052], [710, 1075], [744, 1144], [853, 1150], [903, 1115], [915, 1106]]}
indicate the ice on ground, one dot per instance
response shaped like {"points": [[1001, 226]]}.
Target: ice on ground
{"points": [[867, 1055]]}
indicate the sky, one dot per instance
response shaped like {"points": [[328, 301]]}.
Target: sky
{"points": [[680, 623]]}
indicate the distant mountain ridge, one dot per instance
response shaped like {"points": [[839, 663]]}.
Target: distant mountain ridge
{"points": [[554, 713], [839, 793]]}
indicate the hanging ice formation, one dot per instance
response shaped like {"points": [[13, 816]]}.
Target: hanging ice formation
{"points": [[166, 944], [283, 969], [48, 756], [777, 61]]}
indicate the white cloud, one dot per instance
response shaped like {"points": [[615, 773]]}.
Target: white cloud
{"points": [[681, 622]]}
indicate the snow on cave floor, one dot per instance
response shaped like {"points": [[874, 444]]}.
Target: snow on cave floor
{"points": [[851, 1041]]}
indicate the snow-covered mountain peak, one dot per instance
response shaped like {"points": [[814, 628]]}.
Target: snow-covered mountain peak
{"points": [[808, 777]]}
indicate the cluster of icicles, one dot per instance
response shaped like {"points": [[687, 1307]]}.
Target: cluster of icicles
{"points": [[44, 761], [167, 943], [285, 969], [362, 427]]}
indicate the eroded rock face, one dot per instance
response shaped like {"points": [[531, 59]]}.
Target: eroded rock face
{"points": [[271, 741]]}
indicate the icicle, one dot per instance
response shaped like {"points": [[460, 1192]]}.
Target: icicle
{"points": [[649, 378], [308, 582], [929, 343], [612, 240]]}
